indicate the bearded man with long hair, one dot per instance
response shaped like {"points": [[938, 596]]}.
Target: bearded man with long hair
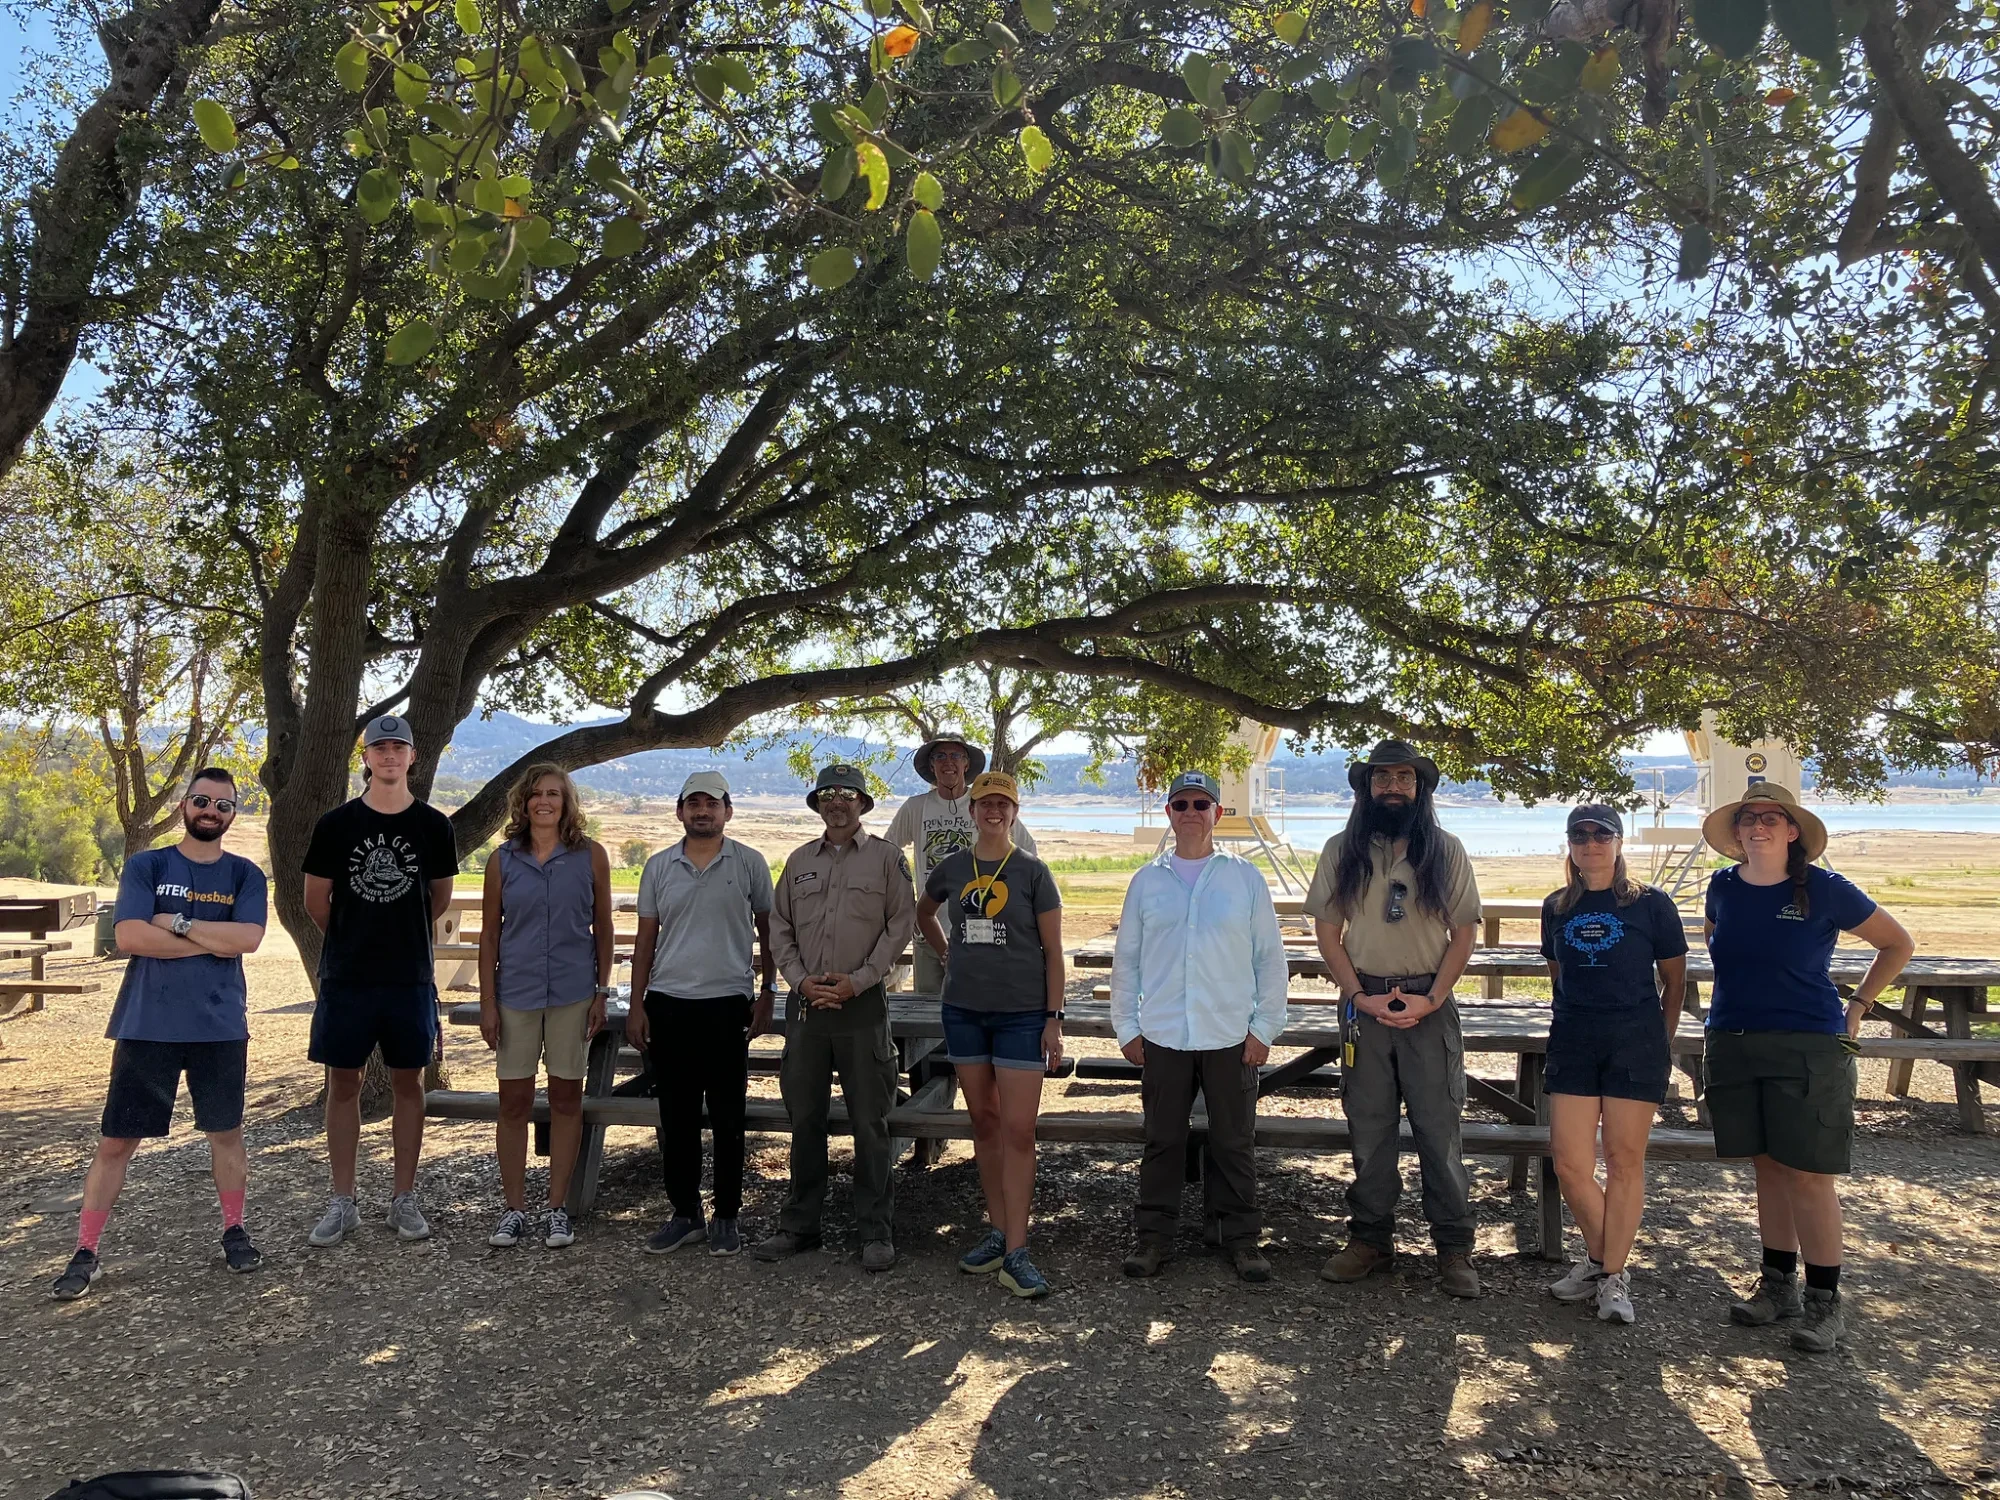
{"points": [[1395, 910]]}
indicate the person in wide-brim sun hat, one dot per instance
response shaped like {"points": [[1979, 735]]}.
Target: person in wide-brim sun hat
{"points": [[1719, 827]]}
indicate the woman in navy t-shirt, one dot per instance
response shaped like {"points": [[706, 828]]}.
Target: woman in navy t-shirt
{"points": [[1617, 953], [1781, 1045]]}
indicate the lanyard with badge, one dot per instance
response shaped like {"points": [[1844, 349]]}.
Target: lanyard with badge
{"points": [[983, 929]]}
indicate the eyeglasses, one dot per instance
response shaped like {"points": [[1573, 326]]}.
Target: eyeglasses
{"points": [[1190, 804], [938, 755], [1761, 820], [1397, 892], [201, 802], [1591, 836], [839, 794]]}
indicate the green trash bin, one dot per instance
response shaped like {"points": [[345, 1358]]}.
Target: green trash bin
{"points": [[106, 945]]}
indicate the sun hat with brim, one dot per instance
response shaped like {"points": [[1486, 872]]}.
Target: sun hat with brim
{"points": [[994, 784], [1719, 827], [847, 776], [1393, 753], [975, 758]]}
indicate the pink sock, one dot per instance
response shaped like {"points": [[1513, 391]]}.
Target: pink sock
{"points": [[232, 1209], [90, 1228]]}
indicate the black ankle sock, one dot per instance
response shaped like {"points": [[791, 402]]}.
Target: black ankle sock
{"points": [[1822, 1278], [1786, 1262]]}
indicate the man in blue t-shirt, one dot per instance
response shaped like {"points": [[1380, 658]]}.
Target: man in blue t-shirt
{"points": [[186, 916]]}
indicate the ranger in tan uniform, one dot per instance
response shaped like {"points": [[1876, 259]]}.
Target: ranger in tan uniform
{"points": [[842, 916]]}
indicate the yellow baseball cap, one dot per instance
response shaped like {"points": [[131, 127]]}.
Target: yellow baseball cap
{"points": [[995, 784]]}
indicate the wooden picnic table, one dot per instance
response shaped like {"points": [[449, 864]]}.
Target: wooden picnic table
{"points": [[38, 909]]}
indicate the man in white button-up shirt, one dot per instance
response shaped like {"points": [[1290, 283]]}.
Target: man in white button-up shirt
{"points": [[1197, 998]]}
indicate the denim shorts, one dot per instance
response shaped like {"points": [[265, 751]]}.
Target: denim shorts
{"points": [[1612, 1055], [1003, 1038]]}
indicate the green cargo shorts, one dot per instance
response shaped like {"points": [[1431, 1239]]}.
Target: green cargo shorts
{"points": [[1788, 1095]]}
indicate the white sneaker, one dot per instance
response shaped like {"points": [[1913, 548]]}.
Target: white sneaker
{"points": [[340, 1220], [1614, 1298], [407, 1219], [1579, 1283]]}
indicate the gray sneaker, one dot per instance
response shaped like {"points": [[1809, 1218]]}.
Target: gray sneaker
{"points": [[340, 1220], [407, 1219], [1579, 1283], [1823, 1324], [1776, 1297], [1614, 1298]]}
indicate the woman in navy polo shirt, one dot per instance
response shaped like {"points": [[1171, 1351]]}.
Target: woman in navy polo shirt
{"points": [[1607, 937], [1780, 1048]]}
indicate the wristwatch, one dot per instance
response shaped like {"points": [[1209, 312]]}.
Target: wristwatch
{"points": [[603, 992], [1052, 1015], [183, 925]]}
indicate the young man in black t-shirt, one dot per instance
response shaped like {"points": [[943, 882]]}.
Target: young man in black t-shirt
{"points": [[378, 876]]}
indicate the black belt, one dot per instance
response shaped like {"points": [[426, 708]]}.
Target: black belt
{"points": [[1382, 984]]}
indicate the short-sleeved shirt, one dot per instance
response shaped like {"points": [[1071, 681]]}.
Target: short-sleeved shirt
{"points": [[200, 998], [1605, 953], [843, 909], [708, 930], [1771, 959], [381, 865], [1417, 943], [1007, 970], [931, 825]]}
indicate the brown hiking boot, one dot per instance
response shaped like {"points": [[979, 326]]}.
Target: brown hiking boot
{"points": [[1147, 1259], [1456, 1276], [1358, 1262], [1250, 1263]]}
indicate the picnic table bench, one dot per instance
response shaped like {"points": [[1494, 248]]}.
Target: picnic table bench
{"points": [[37, 913]]}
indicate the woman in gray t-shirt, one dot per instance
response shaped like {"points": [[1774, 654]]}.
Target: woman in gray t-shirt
{"points": [[1003, 991]]}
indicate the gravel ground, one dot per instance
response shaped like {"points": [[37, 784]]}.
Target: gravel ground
{"points": [[447, 1369]]}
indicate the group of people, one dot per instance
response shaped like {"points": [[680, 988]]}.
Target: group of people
{"points": [[1198, 1000]]}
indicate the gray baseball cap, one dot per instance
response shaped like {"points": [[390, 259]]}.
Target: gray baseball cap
{"points": [[706, 784], [1196, 781], [388, 727]]}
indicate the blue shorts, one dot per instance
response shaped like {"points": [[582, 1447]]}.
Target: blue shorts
{"points": [[1609, 1055], [1002, 1038], [350, 1021]]}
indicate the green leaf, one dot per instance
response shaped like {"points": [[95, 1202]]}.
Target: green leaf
{"points": [[376, 194], [218, 130], [919, 17], [542, 113], [1697, 249], [410, 343], [467, 251], [1204, 78], [833, 268], [618, 7], [624, 236], [1002, 36], [874, 168], [735, 72], [875, 105], [1732, 27], [552, 253], [1040, 15], [487, 196], [1466, 135], [412, 82], [837, 176], [488, 288], [708, 81], [1181, 126], [426, 213], [1545, 179], [1006, 87], [923, 244], [1239, 158], [533, 231], [1325, 95], [466, 13], [1298, 69], [1290, 26], [1410, 58], [1036, 150], [1364, 140], [1810, 26], [961, 54], [1338, 134], [1262, 108], [351, 65], [568, 66], [927, 191]]}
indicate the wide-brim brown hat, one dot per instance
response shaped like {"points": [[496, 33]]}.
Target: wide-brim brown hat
{"points": [[1719, 827], [1393, 753], [975, 758]]}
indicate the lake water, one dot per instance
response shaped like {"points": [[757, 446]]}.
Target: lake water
{"points": [[1506, 829]]}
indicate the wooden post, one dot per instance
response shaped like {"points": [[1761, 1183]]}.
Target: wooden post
{"points": [[1548, 1192], [1496, 987], [600, 1073], [1517, 1174], [1957, 1003], [1914, 999]]}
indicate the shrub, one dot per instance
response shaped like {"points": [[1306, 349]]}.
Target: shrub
{"points": [[632, 853]]}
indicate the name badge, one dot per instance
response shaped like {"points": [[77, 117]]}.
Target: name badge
{"points": [[984, 930]]}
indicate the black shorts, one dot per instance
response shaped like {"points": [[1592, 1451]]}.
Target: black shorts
{"points": [[145, 1077], [351, 1021], [1617, 1055]]}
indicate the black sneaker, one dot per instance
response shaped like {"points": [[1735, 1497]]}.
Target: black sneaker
{"points": [[238, 1251], [724, 1237], [678, 1231], [83, 1268]]}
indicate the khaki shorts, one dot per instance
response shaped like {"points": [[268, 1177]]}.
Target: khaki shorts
{"points": [[559, 1033], [1788, 1095]]}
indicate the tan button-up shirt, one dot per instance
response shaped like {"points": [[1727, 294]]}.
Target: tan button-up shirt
{"points": [[1414, 945], [843, 909]]}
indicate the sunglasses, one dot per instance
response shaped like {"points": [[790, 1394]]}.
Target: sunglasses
{"points": [[1397, 893], [1190, 804], [1761, 820], [839, 794], [201, 801], [1591, 836]]}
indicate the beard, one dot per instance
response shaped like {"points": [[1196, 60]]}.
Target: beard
{"points": [[1392, 819], [205, 832]]}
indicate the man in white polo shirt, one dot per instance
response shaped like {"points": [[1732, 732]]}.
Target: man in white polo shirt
{"points": [[938, 823], [700, 902]]}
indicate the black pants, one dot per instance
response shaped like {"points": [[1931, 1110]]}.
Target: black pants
{"points": [[700, 1051], [1228, 1085]]}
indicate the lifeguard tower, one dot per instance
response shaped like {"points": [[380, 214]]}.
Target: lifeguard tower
{"points": [[1723, 772], [1249, 797]]}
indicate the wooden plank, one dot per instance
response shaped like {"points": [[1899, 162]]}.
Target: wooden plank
{"points": [[1914, 1001], [13, 988], [600, 1074], [1479, 1091], [1965, 1076]]}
